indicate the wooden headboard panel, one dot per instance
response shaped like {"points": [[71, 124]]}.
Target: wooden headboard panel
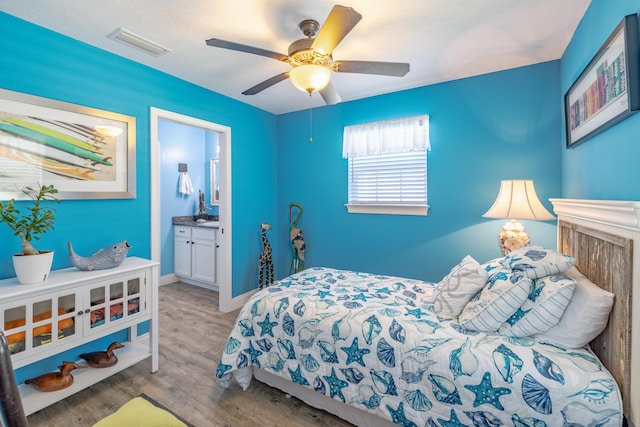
{"points": [[601, 235], [606, 259]]}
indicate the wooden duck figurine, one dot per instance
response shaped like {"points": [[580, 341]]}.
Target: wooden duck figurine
{"points": [[102, 359], [54, 381]]}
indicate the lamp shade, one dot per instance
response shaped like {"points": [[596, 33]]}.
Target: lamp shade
{"points": [[310, 77], [517, 199]]}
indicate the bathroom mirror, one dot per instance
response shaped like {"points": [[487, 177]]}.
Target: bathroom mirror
{"points": [[215, 185]]}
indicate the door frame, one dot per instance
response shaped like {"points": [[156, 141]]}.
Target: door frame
{"points": [[225, 276]]}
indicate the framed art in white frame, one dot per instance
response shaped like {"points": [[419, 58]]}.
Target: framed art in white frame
{"points": [[86, 153]]}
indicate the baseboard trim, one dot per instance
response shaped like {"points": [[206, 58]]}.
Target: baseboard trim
{"points": [[240, 300], [167, 279]]}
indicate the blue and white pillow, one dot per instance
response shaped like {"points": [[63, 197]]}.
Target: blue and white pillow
{"points": [[535, 262], [492, 267], [542, 309], [455, 290], [501, 297]]}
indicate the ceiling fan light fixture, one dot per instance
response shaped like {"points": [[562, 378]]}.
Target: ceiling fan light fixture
{"points": [[310, 77]]}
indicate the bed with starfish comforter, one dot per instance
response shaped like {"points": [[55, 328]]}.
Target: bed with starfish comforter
{"points": [[375, 342]]}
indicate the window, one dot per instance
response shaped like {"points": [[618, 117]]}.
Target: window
{"points": [[387, 163]]}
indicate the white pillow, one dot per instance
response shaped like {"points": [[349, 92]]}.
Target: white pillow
{"points": [[542, 309], [585, 317], [455, 290], [498, 300], [535, 261]]}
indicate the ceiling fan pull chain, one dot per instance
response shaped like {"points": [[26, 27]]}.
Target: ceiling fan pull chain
{"points": [[310, 119]]}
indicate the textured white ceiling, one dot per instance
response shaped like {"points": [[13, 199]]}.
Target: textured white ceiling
{"points": [[441, 39]]}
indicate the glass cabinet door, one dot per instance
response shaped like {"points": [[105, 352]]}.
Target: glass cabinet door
{"points": [[66, 316], [41, 332], [97, 302], [15, 328], [115, 300], [133, 296], [40, 321]]}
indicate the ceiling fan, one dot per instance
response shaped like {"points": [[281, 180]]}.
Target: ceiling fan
{"points": [[311, 60]]}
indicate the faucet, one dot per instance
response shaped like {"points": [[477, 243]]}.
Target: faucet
{"points": [[202, 207]]}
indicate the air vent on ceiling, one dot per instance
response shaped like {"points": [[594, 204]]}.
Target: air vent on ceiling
{"points": [[134, 40]]}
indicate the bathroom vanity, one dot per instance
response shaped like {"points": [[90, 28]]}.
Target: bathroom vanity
{"points": [[196, 252]]}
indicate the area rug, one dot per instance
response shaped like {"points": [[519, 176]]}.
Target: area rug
{"points": [[143, 411]]}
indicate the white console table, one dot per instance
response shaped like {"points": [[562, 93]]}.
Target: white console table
{"points": [[79, 307]]}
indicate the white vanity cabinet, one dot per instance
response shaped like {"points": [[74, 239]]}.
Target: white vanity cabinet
{"points": [[75, 307], [195, 258]]}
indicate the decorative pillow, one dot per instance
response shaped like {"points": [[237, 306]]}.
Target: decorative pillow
{"points": [[585, 317], [453, 292], [535, 262], [499, 299], [542, 309], [492, 267]]}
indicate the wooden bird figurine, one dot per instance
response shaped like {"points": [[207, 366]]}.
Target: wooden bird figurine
{"points": [[54, 381], [102, 359]]}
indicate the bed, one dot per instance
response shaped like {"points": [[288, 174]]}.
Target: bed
{"points": [[377, 350]]}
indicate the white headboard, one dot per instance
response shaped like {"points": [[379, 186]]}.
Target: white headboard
{"points": [[614, 225]]}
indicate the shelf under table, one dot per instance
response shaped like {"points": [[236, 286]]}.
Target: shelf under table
{"points": [[133, 352]]}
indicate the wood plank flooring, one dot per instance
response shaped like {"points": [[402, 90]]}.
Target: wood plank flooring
{"points": [[192, 335]]}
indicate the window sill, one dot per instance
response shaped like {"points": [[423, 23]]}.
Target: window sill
{"points": [[419, 210]]}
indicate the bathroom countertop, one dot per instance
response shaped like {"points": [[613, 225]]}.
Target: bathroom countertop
{"points": [[212, 221]]}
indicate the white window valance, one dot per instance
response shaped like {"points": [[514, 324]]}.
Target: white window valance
{"points": [[404, 135]]}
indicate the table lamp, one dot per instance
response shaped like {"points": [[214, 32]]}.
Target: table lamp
{"points": [[516, 199]]}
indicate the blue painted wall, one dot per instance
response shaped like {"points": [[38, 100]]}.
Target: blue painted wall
{"points": [[606, 166], [486, 128], [503, 125], [180, 143], [40, 62]]}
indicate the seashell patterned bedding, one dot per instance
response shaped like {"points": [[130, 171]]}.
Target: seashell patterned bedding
{"points": [[375, 342]]}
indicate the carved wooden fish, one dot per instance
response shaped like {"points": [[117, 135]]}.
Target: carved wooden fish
{"points": [[109, 257]]}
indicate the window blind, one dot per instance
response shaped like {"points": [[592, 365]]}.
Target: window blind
{"points": [[397, 179], [388, 162]]}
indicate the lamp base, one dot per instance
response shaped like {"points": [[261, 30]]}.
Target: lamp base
{"points": [[512, 236]]}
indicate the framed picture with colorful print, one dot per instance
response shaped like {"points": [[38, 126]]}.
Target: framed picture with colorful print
{"points": [[608, 90], [85, 152]]}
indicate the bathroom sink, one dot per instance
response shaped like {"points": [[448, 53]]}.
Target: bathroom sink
{"points": [[210, 224]]}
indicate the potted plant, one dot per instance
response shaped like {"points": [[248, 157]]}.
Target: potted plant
{"points": [[31, 265]]}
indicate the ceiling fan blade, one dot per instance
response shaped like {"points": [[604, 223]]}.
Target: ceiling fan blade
{"points": [[266, 84], [330, 94], [397, 69], [340, 21], [244, 48]]}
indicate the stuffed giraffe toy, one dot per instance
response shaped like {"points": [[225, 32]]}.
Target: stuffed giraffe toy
{"points": [[265, 262]]}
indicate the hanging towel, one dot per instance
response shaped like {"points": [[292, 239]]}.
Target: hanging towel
{"points": [[185, 184]]}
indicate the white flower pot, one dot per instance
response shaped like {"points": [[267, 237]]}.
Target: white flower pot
{"points": [[32, 269]]}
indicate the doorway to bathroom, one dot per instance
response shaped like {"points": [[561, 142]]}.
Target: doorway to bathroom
{"points": [[222, 135]]}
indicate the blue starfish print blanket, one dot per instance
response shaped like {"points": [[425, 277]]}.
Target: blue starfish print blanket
{"points": [[374, 342]]}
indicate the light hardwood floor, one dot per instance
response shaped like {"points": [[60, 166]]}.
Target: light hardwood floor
{"points": [[192, 335]]}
